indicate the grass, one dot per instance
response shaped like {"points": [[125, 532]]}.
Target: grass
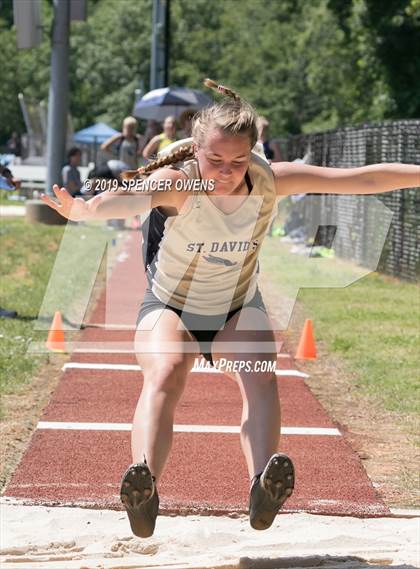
{"points": [[5, 201], [28, 253], [32, 278], [372, 324], [4, 198]]}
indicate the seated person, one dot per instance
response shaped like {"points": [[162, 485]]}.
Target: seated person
{"points": [[70, 173], [7, 180]]}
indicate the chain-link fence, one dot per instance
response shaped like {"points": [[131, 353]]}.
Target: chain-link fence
{"points": [[393, 141]]}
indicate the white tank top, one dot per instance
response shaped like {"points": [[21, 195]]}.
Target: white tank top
{"points": [[207, 260]]}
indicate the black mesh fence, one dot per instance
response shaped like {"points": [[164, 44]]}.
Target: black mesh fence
{"points": [[393, 141]]}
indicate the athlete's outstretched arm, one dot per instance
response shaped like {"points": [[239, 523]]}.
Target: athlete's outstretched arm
{"points": [[116, 204], [296, 178]]}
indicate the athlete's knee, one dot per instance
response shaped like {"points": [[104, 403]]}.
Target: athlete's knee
{"points": [[268, 378], [260, 379], [261, 366], [167, 374], [259, 371]]}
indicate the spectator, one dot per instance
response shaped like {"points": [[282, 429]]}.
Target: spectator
{"points": [[109, 171], [152, 129], [7, 180], [103, 178], [127, 144], [185, 121], [70, 173], [14, 145], [159, 141], [271, 149]]}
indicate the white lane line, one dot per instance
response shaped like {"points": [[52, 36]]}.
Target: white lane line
{"points": [[103, 347], [131, 351], [195, 369], [104, 351], [181, 428], [115, 367]]}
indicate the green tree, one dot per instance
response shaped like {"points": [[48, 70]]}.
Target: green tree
{"points": [[386, 58], [307, 66], [22, 71], [110, 54]]}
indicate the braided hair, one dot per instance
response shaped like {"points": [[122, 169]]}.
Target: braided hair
{"points": [[178, 155], [232, 115], [222, 89]]}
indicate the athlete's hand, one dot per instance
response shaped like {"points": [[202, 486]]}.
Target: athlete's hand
{"points": [[75, 209]]}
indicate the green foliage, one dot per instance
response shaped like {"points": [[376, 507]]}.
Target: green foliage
{"points": [[385, 38], [22, 71], [307, 66], [6, 12], [28, 254], [110, 54]]}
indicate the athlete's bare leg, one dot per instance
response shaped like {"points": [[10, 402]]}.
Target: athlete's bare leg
{"points": [[165, 374], [260, 424]]}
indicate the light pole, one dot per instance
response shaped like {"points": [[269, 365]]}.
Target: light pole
{"points": [[159, 69], [58, 94]]}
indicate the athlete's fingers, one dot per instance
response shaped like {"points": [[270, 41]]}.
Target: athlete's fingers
{"points": [[50, 201], [57, 194], [56, 190], [63, 195]]}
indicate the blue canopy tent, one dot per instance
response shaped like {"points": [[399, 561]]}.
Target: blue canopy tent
{"points": [[95, 134]]}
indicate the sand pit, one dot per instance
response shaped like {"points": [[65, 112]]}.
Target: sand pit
{"points": [[36, 537]]}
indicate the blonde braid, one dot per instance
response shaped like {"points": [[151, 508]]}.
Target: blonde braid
{"points": [[178, 155], [222, 89]]}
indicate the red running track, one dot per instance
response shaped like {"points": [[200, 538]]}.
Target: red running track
{"points": [[206, 471]]}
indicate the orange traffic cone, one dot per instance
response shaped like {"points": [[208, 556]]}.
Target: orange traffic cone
{"points": [[55, 341], [306, 349]]}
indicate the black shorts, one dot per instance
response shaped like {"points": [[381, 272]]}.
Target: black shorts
{"points": [[203, 328]]}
